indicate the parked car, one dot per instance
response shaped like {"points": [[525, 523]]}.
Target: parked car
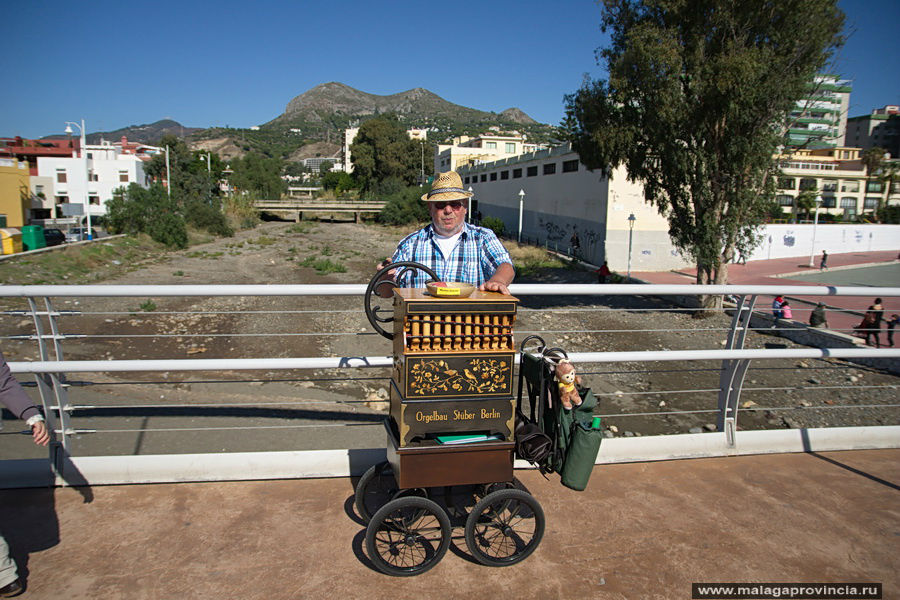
{"points": [[54, 237]]}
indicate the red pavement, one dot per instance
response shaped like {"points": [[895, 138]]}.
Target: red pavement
{"points": [[772, 272]]}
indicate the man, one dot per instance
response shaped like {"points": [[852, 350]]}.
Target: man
{"points": [[14, 398], [452, 248], [817, 317]]}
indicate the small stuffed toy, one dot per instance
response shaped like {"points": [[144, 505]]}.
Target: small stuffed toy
{"points": [[565, 375]]}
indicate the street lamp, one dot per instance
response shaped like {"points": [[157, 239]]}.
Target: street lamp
{"points": [[469, 211], [521, 205], [812, 251], [631, 220], [87, 200]]}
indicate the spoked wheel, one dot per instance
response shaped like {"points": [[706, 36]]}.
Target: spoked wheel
{"points": [[504, 528], [375, 488], [408, 536]]}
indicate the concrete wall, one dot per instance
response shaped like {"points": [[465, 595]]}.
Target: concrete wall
{"points": [[783, 241], [14, 177]]}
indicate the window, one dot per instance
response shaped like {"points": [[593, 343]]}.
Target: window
{"points": [[570, 166], [494, 176], [510, 148], [62, 199], [829, 185], [784, 200], [870, 204], [490, 145], [848, 203], [532, 171], [61, 177], [504, 175], [874, 186], [517, 173], [94, 200], [786, 183], [829, 202], [466, 180], [483, 177], [850, 186], [123, 176], [549, 168], [38, 189], [808, 183], [90, 155]]}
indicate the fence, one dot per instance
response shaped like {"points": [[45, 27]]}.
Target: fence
{"points": [[124, 435]]}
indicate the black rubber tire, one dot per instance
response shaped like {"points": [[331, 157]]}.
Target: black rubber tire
{"points": [[408, 536], [505, 527], [374, 489]]}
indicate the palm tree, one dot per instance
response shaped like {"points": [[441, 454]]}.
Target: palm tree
{"points": [[889, 173]]}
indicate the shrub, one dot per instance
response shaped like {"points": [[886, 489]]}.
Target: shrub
{"points": [[404, 206], [209, 217], [494, 224]]}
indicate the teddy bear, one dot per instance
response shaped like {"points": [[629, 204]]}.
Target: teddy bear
{"points": [[566, 377]]}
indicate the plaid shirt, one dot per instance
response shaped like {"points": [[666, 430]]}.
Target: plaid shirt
{"points": [[474, 259]]}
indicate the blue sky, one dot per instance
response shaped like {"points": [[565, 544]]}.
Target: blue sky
{"points": [[233, 63]]}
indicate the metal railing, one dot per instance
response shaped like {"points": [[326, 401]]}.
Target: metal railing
{"points": [[53, 373]]}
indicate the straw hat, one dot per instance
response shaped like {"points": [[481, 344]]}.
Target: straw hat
{"points": [[446, 187]]}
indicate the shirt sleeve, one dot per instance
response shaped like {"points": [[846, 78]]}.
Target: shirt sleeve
{"points": [[493, 254], [12, 395]]}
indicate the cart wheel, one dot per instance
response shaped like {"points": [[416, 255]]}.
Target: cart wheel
{"points": [[375, 489], [504, 528], [408, 536]]}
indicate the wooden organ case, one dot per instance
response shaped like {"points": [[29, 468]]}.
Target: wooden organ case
{"points": [[452, 374]]}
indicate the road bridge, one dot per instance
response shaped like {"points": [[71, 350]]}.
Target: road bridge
{"points": [[293, 208]]}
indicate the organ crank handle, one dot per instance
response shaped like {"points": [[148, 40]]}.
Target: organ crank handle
{"points": [[372, 312]]}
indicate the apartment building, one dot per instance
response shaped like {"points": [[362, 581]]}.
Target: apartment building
{"points": [[14, 191], [71, 179], [820, 118], [881, 128], [483, 148], [838, 176]]}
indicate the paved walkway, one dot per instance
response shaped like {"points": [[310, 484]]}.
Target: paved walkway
{"points": [[779, 271], [642, 530]]}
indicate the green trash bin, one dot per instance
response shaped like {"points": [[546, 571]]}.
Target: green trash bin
{"points": [[33, 237]]}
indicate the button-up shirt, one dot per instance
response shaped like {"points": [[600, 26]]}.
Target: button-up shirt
{"points": [[474, 259]]}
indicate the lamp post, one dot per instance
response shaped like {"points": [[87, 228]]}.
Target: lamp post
{"points": [[469, 210], [521, 205], [631, 220], [812, 250], [87, 178]]}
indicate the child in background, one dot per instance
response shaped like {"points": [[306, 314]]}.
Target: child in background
{"points": [[891, 323], [786, 310]]}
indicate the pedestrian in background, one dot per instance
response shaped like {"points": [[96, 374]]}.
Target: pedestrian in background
{"points": [[776, 307], [823, 265], [891, 323], [603, 273], [817, 316], [786, 310], [13, 397], [871, 323]]}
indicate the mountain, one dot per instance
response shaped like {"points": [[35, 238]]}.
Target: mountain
{"points": [[317, 118], [331, 107], [146, 134]]}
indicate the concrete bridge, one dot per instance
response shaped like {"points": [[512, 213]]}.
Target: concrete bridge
{"points": [[295, 207]]}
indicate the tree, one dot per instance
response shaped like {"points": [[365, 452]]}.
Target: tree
{"points": [[806, 201], [890, 173], [259, 176], [382, 151], [696, 95], [874, 159], [138, 210]]}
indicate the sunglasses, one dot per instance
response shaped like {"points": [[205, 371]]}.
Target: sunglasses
{"points": [[454, 204]]}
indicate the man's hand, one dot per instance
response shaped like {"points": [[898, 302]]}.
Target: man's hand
{"points": [[385, 291], [494, 286], [40, 434]]}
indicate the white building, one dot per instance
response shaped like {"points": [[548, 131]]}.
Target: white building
{"points": [[108, 168], [563, 197], [467, 150]]}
